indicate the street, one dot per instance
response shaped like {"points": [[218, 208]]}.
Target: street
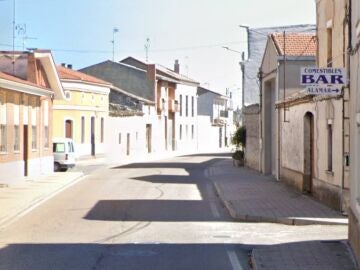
{"points": [[156, 215]]}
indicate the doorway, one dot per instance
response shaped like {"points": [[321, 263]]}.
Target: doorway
{"points": [[308, 152], [148, 137], [25, 151], [68, 129], [92, 132], [128, 144]]}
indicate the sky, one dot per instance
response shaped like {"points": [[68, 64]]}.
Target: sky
{"points": [[79, 32]]}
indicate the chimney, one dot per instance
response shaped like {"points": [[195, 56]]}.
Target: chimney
{"points": [[151, 72], [69, 66], [151, 76], [177, 66], [32, 68], [63, 64]]}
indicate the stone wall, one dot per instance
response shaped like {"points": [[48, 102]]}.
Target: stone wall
{"points": [[252, 124]]}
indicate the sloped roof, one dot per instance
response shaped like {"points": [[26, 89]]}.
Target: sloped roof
{"points": [[8, 82], [124, 78], [296, 44], [161, 71], [70, 74], [18, 80]]}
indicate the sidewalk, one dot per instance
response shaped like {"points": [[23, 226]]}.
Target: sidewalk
{"points": [[252, 197], [22, 196]]}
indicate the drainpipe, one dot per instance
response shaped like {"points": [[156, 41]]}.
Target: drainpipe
{"points": [[347, 23], [260, 75]]}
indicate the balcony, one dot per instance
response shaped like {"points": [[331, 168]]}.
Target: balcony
{"points": [[174, 106], [218, 122], [161, 105]]}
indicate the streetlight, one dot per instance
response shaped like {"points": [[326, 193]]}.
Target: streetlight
{"points": [[247, 37], [242, 67]]}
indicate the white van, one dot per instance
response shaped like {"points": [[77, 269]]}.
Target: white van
{"points": [[64, 154]]}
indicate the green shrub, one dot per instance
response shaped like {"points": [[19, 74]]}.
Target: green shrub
{"points": [[239, 138], [238, 155]]}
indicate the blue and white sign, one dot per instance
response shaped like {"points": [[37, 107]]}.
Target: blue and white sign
{"points": [[320, 81]]}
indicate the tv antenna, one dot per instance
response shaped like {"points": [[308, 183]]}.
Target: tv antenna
{"points": [[147, 47]]}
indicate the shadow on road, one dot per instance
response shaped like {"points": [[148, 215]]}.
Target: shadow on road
{"points": [[117, 256]]}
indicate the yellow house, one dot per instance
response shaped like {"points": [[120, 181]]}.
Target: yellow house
{"points": [[83, 114]]}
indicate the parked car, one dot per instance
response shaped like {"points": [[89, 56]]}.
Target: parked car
{"points": [[64, 154]]}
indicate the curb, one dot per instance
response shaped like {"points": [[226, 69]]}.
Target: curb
{"points": [[23, 210], [279, 220]]}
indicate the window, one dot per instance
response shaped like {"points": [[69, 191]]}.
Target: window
{"points": [[119, 138], [34, 137], [187, 106], [46, 136], [180, 105], [67, 95], [187, 131], [34, 123], [192, 131], [16, 138], [192, 106], [46, 124], [58, 147], [330, 147], [102, 130], [3, 120], [3, 138], [180, 130], [82, 129]]}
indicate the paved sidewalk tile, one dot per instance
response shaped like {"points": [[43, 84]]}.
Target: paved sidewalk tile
{"points": [[319, 255], [17, 198], [250, 196]]}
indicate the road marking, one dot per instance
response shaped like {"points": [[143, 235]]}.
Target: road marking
{"points": [[234, 260], [214, 210]]}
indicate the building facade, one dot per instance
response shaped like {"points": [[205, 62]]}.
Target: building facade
{"points": [[280, 73], [83, 115], [354, 211], [27, 88], [215, 120], [330, 179]]}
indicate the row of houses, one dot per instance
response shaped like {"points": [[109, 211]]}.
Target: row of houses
{"points": [[309, 141], [123, 111]]}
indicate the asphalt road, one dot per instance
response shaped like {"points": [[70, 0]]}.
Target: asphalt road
{"points": [[159, 215]]}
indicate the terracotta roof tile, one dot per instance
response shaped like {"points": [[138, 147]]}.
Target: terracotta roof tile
{"points": [[8, 77], [70, 74], [296, 44]]}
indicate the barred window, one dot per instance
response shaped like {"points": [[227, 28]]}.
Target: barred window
{"points": [[3, 138], [46, 136], [34, 137], [82, 129], [102, 130], [16, 138]]}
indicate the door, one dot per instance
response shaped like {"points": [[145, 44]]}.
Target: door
{"points": [[128, 144], [68, 129], [166, 133], [148, 137], [220, 137], [308, 152], [92, 132], [25, 151]]}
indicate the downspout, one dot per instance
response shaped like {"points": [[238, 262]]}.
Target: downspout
{"points": [[260, 75], [347, 22]]}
